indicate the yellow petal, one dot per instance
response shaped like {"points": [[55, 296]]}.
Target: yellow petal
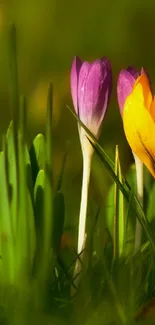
{"points": [[141, 91], [139, 129]]}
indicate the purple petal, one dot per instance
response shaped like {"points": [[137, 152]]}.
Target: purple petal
{"points": [[75, 70], [133, 72], [124, 87], [93, 105], [82, 86], [107, 86]]}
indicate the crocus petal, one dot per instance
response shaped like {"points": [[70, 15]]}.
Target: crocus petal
{"points": [[143, 71], [133, 72], [75, 70], [96, 94], [106, 85], [152, 109], [139, 129], [124, 87], [82, 86], [142, 92]]}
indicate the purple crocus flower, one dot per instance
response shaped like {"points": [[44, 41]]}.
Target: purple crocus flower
{"points": [[90, 89], [126, 80]]}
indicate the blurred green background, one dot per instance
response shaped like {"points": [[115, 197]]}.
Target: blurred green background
{"points": [[50, 33]]}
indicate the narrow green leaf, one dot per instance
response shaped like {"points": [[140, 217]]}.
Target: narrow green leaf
{"points": [[151, 205], [25, 225], [37, 155], [6, 233], [130, 223], [39, 217], [119, 219], [48, 199], [39, 205], [13, 138], [39, 185], [12, 174], [109, 210], [131, 178], [39, 147]]}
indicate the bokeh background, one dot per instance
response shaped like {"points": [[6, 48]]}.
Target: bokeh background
{"points": [[50, 33]]}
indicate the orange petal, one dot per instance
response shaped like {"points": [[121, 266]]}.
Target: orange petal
{"points": [[142, 92], [152, 109], [139, 129]]}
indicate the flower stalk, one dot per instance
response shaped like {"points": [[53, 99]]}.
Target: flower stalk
{"points": [[140, 186], [87, 158]]}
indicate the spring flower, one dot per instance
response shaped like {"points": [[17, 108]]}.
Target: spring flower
{"points": [[138, 112], [136, 105], [90, 89]]}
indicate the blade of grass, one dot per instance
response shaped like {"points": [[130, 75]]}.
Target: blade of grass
{"points": [[118, 211], [39, 218], [15, 112], [37, 155], [46, 256], [25, 227], [6, 236]]}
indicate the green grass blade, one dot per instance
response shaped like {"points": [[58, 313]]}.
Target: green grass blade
{"points": [[6, 233], [37, 155], [13, 175], [119, 226], [25, 226], [48, 198], [109, 211], [39, 217], [151, 207], [39, 147], [13, 147]]}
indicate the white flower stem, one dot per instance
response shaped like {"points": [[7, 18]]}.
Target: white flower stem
{"points": [[87, 157], [140, 186], [84, 200]]}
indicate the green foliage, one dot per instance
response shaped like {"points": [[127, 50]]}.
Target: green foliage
{"points": [[119, 215]]}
